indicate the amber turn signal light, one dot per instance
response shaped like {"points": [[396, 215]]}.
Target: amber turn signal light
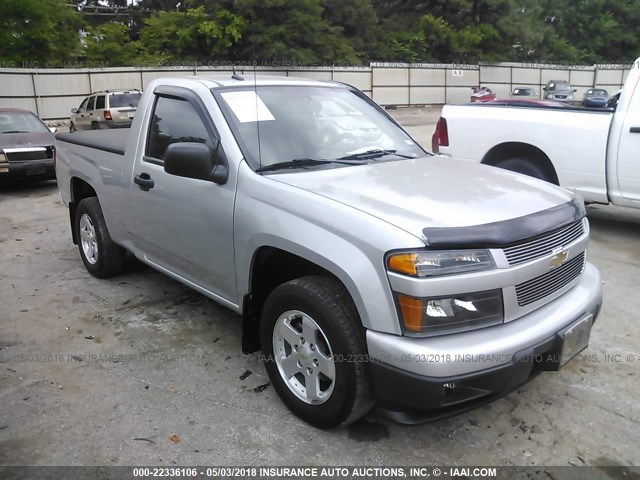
{"points": [[403, 263], [412, 311]]}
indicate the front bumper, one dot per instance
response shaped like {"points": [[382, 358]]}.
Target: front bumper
{"points": [[35, 168], [412, 376]]}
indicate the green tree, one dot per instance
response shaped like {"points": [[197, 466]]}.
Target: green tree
{"points": [[192, 35], [357, 22], [110, 42], [286, 30], [597, 30], [43, 31]]}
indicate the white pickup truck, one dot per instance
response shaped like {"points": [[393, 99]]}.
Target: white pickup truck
{"points": [[594, 152]]}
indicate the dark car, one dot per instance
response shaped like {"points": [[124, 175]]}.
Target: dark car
{"points": [[613, 101], [596, 97], [26, 145]]}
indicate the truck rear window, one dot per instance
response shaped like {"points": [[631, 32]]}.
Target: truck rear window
{"points": [[124, 100]]}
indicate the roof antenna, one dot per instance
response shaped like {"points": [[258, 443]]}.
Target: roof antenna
{"points": [[255, 88]]}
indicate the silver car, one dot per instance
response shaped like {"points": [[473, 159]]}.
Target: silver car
{"points": [[559, 90], [105, 109]]}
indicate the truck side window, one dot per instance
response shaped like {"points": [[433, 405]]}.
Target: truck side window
{"points": [[83, 105], [174, 120], [100, 102], [92, 102]]}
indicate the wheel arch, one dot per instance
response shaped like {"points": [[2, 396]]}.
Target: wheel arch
{"points": [[79, 190], [271, 267], [507, 150]]}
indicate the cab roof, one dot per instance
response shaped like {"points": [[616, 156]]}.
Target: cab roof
{"points": [[217, 80]]}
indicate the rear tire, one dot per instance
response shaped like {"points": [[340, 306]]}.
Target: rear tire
{"points": [[314, 351], [95, 126], [101, 256], [525, 166]]}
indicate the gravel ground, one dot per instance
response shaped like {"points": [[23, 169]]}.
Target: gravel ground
{"points": [[140, 370]]}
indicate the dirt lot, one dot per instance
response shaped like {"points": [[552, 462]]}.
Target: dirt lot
{"points": [[106, 372]]}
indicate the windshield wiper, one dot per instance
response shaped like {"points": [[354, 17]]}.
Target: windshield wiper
{"points": [[373, 154], [302, 162]]}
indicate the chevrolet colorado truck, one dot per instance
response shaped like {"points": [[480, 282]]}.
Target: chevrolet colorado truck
{"points": [[593, 152], [368, 271]]}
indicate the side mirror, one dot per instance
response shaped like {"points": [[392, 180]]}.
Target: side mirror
{"points": [[195, 160], [74, 110]]}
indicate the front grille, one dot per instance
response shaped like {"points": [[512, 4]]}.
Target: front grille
{"points": [[36, 153], [548, 283], [526, 252]]}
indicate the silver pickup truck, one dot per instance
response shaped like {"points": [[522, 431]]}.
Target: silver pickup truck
{"points": [[368, 271]]}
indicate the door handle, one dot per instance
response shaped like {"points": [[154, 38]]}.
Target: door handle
{"points": [[634, 130], [144, 182]]}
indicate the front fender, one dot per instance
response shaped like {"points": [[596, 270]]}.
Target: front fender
{"points": [[346, 242]]}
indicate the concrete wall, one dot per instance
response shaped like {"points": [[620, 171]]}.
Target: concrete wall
{"points": [[51, 93]]}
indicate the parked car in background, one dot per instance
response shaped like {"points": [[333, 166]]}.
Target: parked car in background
{"points": [[26, 145], [482, 94], [105, 109], [524, 92], [613, 100], [559, 90], [596, 97]]}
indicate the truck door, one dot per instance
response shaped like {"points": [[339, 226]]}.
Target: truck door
{"points": [[629, 150], [183, 225]]}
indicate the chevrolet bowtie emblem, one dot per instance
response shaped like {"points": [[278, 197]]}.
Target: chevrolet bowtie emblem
{"points": [[559, 257]]}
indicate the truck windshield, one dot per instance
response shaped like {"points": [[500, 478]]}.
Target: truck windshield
{"points": [[281, 124]]}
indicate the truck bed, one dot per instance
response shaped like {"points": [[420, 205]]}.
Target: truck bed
{"points": [[112, 141], [548, 105]]}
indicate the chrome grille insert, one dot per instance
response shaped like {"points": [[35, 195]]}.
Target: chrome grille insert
{"points": [[550, 282], [30, 153], [526, 252]]}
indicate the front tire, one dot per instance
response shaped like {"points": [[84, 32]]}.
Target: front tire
{"points": [[315, 351], [100, 254]]}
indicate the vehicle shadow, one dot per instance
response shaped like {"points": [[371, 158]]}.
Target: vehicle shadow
{"points": [[27, 187]]}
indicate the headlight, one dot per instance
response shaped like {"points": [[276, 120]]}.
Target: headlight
{"points": [[436, 263], [550, 97], [436, 316], [3, 158]]}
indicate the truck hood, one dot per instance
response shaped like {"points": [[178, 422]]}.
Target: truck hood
{"points": [[22, 140], [431, 192]]}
